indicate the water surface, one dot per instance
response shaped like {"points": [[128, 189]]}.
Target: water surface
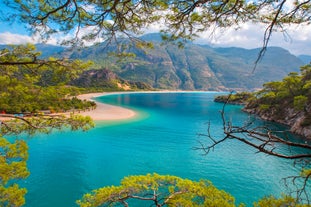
{"points": [[65, 165]]}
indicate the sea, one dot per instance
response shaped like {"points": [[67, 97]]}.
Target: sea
{"points": [[165, 138]]}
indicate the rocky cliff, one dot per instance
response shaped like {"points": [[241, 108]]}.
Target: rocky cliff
{"points": [[194, 67], [298, 121], [294, 112], [106, 79]]}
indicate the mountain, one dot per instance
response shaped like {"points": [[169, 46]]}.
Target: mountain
{"points": [[50, 50], [237, 68], [305, 58], [46, 50], [106, 79], [195, 67]]}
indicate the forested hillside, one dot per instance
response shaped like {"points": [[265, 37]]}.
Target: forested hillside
{"points": [[287, 101], [104, 79], [43, 83], [30, 88], [195, 67]]}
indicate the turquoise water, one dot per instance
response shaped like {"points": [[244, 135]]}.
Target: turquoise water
{"points": [[65, 165]]}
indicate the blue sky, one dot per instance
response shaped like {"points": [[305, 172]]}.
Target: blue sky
{"points": [[15, 28], [248, 36]]}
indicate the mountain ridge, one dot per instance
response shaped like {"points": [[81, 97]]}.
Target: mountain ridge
{"points": [[193, 67], [196, 67]]}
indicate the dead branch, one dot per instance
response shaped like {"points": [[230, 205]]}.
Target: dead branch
{"points": [[267, 141]]}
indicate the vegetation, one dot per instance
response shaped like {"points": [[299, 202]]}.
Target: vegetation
{"points": [[288, 102], [13, 157], [193, 67], [284, 201], [24, 89], [104, 79], [276, 98], [182, 19], [186, 20], [236, 98], [14, 152], [29, 87], [158, 190], [166, 190]]}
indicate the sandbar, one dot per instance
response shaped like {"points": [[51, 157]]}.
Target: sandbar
{"points": [[102, 112], [105, 111]]}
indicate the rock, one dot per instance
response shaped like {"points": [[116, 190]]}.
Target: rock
{"points": [[296, 120], [105, 78]]}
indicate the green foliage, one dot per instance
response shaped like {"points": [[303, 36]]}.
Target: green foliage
{"points": [[181, 20], [293, 92], [104, 79], [195, 67], [300, 102], [264, 106], [13, 157], [305, 173], [237, 98], [28, 84], [44, 124], [158, 190], [281, 202], [168, 190], [288, 102]]}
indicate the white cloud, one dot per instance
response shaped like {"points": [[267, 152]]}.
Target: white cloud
{"points": [[297, 39], [9, 38], [12, 38]]}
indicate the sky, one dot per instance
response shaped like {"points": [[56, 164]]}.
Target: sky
{"points": [[249, 36]]}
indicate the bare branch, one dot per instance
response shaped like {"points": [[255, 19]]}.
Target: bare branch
{"points": [[299, 185], [266, 141], [268, 33]]}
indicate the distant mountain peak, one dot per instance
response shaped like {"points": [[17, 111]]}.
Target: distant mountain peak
{"points": [[195, 67], [152, 37]]}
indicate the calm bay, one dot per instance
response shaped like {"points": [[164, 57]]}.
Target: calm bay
{"points": [[65, 165]]}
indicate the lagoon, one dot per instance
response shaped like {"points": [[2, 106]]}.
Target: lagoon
{"points": [[65, 165]]}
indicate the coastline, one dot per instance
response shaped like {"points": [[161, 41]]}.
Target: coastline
{"points": [[102, 112], [105, 112], [293, 119]]}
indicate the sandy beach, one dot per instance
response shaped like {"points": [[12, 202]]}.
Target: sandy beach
{"points": [[101, 113], [110, 112], [105, 111]]}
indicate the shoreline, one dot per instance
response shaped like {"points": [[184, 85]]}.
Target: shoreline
{"points": [[105, 112], [102, 112]]}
